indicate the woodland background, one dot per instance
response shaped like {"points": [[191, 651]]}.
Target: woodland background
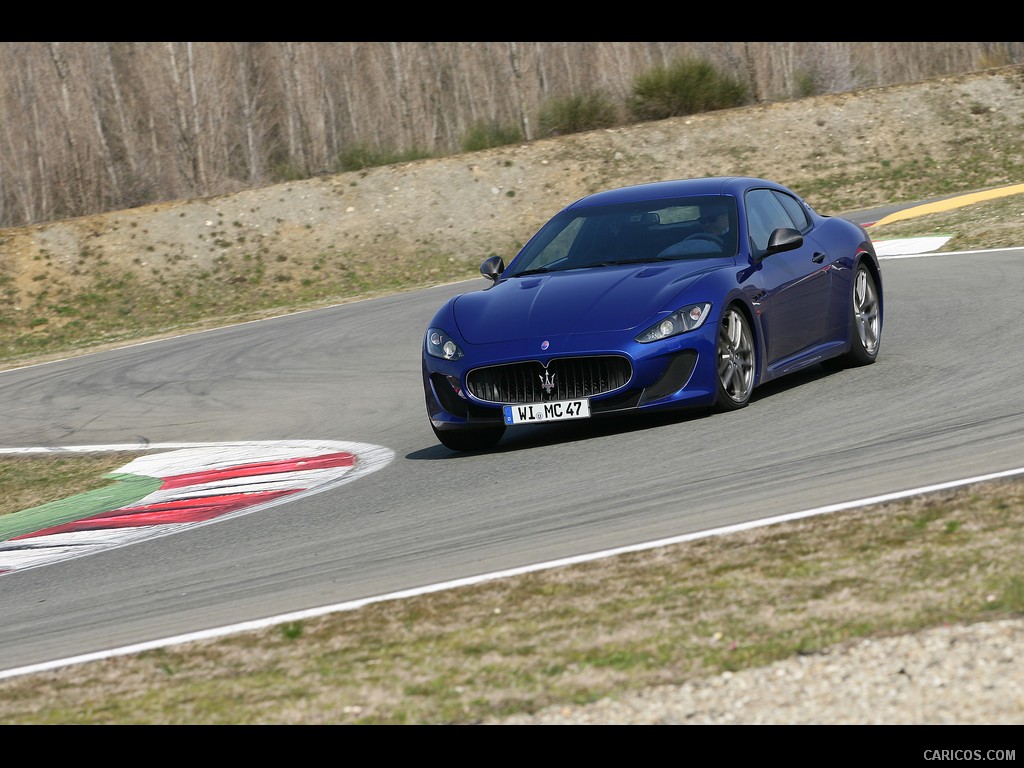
{"points": [[92, 127]]}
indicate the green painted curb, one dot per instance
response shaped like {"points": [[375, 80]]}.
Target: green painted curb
{"points": [[125, 490]]}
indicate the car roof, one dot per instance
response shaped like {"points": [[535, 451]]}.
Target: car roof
{"points": [[660, 190]]}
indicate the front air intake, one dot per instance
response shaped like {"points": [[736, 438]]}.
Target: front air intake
{"points": [[564, 379]]}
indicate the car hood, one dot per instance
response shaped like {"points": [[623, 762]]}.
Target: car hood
{"points": [[613, 298]]}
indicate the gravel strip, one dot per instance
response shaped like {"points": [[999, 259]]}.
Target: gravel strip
{"points": [[964, 675]]}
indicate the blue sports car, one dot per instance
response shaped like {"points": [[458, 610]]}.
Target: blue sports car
{"points": [[674, 294]]}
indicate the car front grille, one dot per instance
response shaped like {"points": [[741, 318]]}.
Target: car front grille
{"points": [[567, 378]]}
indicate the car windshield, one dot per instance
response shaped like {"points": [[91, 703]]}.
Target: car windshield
{"points": [[659, 230]]}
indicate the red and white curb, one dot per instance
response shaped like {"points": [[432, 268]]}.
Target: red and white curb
{"points": [[189, 485]]}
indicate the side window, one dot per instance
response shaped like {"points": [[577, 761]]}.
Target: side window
{"points": [[765, 214], [796, 211]]}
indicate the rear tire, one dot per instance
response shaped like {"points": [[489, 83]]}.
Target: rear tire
{"points": [[734, 361], [469, 439]]}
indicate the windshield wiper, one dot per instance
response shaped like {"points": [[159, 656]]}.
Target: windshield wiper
{"points": [[537, 271]]}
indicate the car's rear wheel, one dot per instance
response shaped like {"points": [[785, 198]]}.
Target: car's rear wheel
{"points": [[734, 361], [469, 439], [865, 322]]}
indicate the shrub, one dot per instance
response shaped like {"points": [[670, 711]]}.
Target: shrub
{"points": [[805, 84], [361, 156], [574, 114], [684, 87], [487, 134], [286, 172]]}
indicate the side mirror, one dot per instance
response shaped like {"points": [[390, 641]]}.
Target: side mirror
{"points": [[782, 239], [492, 268]]}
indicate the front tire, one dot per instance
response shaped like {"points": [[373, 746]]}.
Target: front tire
{"points": [[865, 322], [867, 318], [735, 361], [469, 439]]}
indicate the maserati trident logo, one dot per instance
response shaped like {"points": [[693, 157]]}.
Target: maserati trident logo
{"points": [[547, 382]]}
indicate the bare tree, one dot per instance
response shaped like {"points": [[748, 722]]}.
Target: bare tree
{"points": [[96, 106], [249, 90], [23, 159], [91, 126], [186, 142], [517, 79], [76, 190]]}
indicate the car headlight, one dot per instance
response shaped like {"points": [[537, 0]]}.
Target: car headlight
{"points": [[682, 320], [440, 344]]}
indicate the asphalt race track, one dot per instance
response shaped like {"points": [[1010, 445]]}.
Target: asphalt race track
{"points": [[945, 401]]}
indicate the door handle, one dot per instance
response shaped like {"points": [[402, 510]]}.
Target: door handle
{"points": [[818, 257]]}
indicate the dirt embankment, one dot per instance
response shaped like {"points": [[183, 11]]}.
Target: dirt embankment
{"points": [[435, 220]]}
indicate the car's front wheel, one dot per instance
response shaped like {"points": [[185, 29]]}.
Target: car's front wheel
{"points": [[734, 360], [469, 439], [865, 322], [867, 318]]}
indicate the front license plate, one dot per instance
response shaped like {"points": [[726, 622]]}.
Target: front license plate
{"points": [[557, 411]]}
